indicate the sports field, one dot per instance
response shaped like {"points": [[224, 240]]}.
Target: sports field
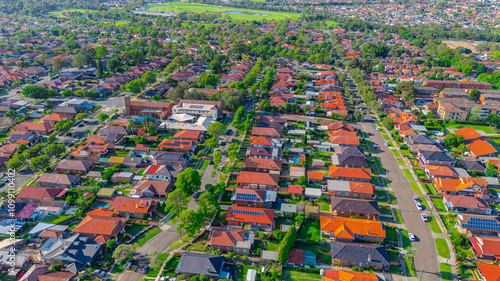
{"points": [[234, 13]]}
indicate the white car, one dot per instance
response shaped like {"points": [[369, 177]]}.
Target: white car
{"points": [[424, 217], [419, 206], [412, 237], [415, 199], [386, 144], [378, 129]]}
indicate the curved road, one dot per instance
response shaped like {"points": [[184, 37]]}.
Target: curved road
{"points": [[426, 256]]}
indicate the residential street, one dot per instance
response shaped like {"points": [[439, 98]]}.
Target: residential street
{"points": [[426, 257]]}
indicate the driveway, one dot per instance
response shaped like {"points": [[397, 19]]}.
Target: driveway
{"points": [[426, 256], [160, 242]]}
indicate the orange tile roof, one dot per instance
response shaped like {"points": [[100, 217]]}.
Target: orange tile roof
{"points": [[490, 272], [177, 144], [225, 237], [344, 140], [257, 178], [480, 148], [134, 205], [186, 134], [344, 275], [344, 172], [101, 225], [295, 189], [347, 228], [441, 171], [315, 175], [362, 187], [259, 215], [468, 133], [259, 141], [489, 246], [54, 117]]}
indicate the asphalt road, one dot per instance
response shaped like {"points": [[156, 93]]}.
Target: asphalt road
{"points": [[426, 257]]}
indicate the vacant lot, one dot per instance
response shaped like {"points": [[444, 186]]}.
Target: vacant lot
{"points": [[467, 45], [234, 13]]}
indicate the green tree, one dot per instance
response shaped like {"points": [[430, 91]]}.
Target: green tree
{"points": [[154, 260], [135, 86], [208, 205], [388, 123], [177, 200], [102, 117], [474, 94], [111, 244], [493, 119], [22, 147], [10, 114], [215, 67], [55, 267], [100, 69], [190, 221], [286, 244], [124, 251], [475, 114], [39, 162], [55, 150], [16, 161], [36, 92], [217, 158], [80, 116], [216, 129], [302, 181], [59, 63], [63, 125], [156, 97], [101, 51], [188, 181], [208, 79], [454, 140], [149, 77]]}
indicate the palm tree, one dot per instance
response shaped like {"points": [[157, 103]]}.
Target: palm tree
{"points": [[132, 125]]}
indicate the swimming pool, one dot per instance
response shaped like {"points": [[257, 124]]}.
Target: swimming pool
{"points": [[296, 159], [101, 204]]}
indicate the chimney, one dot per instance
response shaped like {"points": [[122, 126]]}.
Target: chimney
{"points": [[208, 269], [369, 258]]}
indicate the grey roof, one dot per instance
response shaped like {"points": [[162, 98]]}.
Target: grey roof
{"points": [[350, 160], [360, 206], [358, 252], [349, 150], [436, 156], [113, 130], [76, 249], [420, 139], [288, 208], [74, 164], [197, 263], [473, 165], [67, 109]]}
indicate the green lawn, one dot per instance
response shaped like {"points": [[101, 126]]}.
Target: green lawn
{"points": [[445, 271], [381, 196], [433, 224], [406, 239], [423, 202], [243, 269], [408, 174], [386, 182], [430, 189], [401, 162], [118, 268], [134, 229], [186, 238], [299, 276], [442, 248], [146, 236], [438, 203], [391, 233], [70, 11], [154, 271], [325, 207], [386, 137], [396, 152], [410, 271], [234, 13], [392, 198], [485, 129], [204, 165], [310, 230], [56, 219], [399, 217], [415, 187], [376, 180]]}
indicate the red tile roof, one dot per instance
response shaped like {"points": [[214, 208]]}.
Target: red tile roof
{"points": [[297, 189], [186, 134], [314, 175], [481, 148], [468, 133], [134, 205], [259, 215], [257, 178], [490, 272], [343, 172], [225, 237], [486, 246], [267, 132]]}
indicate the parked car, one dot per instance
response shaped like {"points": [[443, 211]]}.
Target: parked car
{"points": [[424, 180], [424, 217], [145, 269], [386, 144], [378, 129], [415, 199], [197, 195], [419, 206], [412, 237], [128, 265]]}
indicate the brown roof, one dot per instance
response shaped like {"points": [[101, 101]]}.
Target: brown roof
{"points": [[225, 237], [134, 205], [39, 193], [157, 187], [261, 163]]}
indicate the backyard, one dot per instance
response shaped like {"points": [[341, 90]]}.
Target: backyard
{"points": [[301, 276], [310, 230]]}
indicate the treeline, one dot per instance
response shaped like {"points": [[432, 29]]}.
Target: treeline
{"points": [[38, 7]]}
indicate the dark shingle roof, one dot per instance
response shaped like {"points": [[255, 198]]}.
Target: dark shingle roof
{"points": [[436, 156], [357, 252], [197, 263], [360, 206], [473, 165]]}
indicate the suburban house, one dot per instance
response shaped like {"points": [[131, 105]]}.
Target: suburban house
{"points": [[158, 110], [441, 172], [227, 240], [178, 145], [465, 186], [253, 198], [472, 225], [256, 218], [349, 160], [466, 204], [136, 208], [348, 229], [345, 207], [359, 254], [170, 158], [27, 138], [351, 189], [151, 189], [486, 248], [482, 149], [490, 272], [212, 266], [195, 136], [112, 134], [264, 152], [440, 158], [8, 150], [101, 225], [74, 167], [43, 196], [350, 174], [300, 257], [265, 132], [199, 108], [469, 133], [57, 180], [261, 165], [41, 127], [256, 180], [346, 275], [162, 172], [76, 251]]}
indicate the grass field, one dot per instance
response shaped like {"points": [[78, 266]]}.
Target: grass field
{"points": [[423, 202], [146, 236], [310, 230], [399, 217], [381, 196], [298, 276], [71, 11], [442, 248], [392, 198], [433, 224], [445, 271], [401, 162], [204, 165], [415, 187], [396, 153], [235, 13], [485, 129], [406, 239], [430, 189], [438, 203], [408, 174]]}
